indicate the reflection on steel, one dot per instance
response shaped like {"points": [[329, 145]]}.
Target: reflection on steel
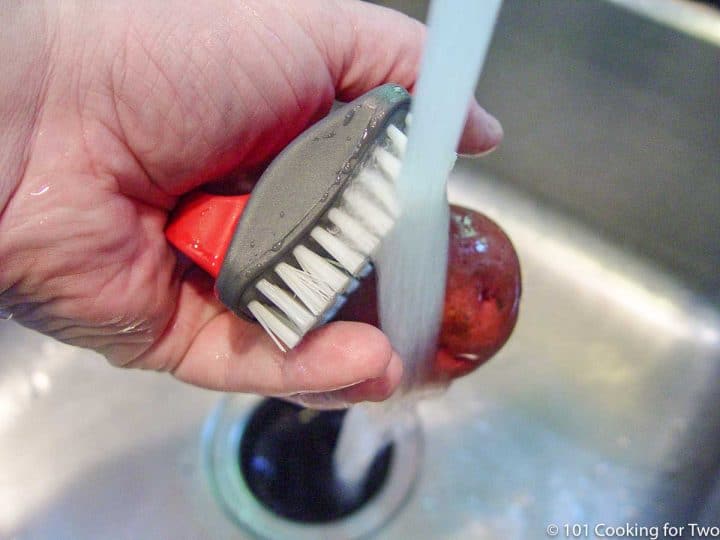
{"points": [[597, 409]]}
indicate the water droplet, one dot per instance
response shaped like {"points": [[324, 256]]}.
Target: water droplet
{"points": [[324, 197], [282, 214], [40, 191], [481, 245], [277, 245], [348, 117], [333, 229], [252, 243], [348, 139], [132, 327], [465, 225]]}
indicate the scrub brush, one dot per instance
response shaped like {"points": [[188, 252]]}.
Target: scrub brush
{"points": [[287, 254]]}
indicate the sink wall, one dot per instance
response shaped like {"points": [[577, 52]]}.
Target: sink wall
{"points": [[615, 119]]}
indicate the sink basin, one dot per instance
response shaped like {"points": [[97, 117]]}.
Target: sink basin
{"points": [[602, 408]]}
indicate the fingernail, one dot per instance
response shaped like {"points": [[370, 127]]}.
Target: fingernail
{"points": [[378, 389], [382, 388], [323, 401], [478, 155], [495, 128], [394, 370], [487, 133], [371, 390]]}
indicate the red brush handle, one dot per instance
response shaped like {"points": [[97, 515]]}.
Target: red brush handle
{"points": [[202, 227]]}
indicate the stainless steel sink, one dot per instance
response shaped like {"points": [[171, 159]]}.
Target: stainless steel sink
{"points": [[603, 408]]}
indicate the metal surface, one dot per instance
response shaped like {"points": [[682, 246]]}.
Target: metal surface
{"points": [[614, 118], [602, 408]]}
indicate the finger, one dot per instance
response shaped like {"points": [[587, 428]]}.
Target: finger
{"points": [[233, 355], [208, 346], [237, 84], [381, 45], [482, 134], [386, 46], [378, 389]]}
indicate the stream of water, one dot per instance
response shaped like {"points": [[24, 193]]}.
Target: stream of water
{"points": [[412, 263]]}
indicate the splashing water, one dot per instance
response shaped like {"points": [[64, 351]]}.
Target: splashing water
{"points": [[412, 262]]}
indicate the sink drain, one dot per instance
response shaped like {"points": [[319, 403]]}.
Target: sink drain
{"points": [[286, 458], [270, 467]]}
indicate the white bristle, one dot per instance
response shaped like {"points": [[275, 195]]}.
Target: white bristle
{"points": [[359, 236], [302, 318], [371, 214], [332, 311], [381, 189], [313, 292], [319, 285], [321, 269], [344, 254], [408, 120], [388, 163], [398, 139], [272, 323]]}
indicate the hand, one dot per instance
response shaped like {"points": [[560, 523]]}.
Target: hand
{"points": [[119, 108]]}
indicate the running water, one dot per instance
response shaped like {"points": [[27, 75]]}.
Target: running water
{"points": [[412, 263]]}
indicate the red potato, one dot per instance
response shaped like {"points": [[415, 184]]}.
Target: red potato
{"points": [[482, 295]]}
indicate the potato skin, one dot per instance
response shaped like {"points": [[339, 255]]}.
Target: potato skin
{"points": [[482, 296]]}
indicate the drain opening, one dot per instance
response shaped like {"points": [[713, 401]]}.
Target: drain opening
{"points": [[286, 459]]}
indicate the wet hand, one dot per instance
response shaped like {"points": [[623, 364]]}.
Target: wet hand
{"points": [[112, 111]]}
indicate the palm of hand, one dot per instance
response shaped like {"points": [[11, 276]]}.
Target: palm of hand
{"points": [[169, 98]]}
